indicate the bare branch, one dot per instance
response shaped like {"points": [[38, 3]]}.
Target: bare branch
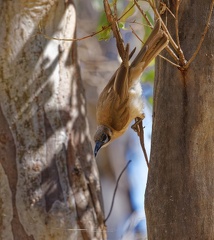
{"points": [[115, 29], [167, 48], [126, 12], [176, 23], [143, 13], [71, 39], [172, 54], [174, 45], [182, 60], [82, 38], [115, 191], [164, 8], [133, 31], [174, 64]]}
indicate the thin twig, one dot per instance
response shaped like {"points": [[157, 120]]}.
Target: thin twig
{"points": [[115, 190], [143, 13], [138, 23], [133, 31], [167, 48], [176, 23], [202, 37], [174, 45], [140, 132], [71, 39], [172, 54], [112, 19], [166, 59], [164, 8], [126, 12], [182, 60], [85, 37], [115, 9]]}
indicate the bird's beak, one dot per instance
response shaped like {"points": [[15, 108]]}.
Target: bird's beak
{"points": [[97, 147]]}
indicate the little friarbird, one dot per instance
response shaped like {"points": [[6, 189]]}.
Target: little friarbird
{"points": [[120, 102]]}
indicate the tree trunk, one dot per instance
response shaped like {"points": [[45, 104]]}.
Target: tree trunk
{"points": [[180, 192], [49, 184]]}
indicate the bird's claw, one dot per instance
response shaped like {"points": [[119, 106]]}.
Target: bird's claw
{"points": [[135, 126]]}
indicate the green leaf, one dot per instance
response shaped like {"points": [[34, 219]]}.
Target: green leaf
{"points": [[102, 21], [127, 13], [103, 24], [105, 34], [150, 17], [121, 25]]}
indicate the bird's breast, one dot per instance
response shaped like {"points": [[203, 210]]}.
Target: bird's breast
{"points": [[136, 101]]}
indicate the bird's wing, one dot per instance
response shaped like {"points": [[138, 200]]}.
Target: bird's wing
{"points": [[121, 80], [113, 100], [112, 109], [155, 43], [120, 110]]}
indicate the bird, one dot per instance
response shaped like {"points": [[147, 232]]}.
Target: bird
{"points": [[120, 102]]}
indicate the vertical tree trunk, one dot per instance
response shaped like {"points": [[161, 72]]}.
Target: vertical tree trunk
{"points": [[180, 192], [46, 192]]}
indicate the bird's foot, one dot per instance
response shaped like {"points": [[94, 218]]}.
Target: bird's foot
{"points": [[135, 126], [138, 120]]}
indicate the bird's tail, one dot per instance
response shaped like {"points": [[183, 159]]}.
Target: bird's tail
{"points": [[155, 43]]}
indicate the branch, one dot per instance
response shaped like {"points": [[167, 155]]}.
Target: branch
{"points": [[174, 45], [166, 59], [115, 190], [71, 39], [182, 60], [176, 23], [169, 50], [164, 8], [115, 29], [133, 31], [143, 13], [172, 54], [82, 38]]}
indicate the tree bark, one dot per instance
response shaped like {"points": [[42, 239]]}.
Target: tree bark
{"points": [[180, 192], [49, 183]]}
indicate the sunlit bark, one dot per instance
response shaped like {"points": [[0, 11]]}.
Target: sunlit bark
{"points": [[49, 184]]}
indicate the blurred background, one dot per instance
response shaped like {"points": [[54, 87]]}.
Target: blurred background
{"points": [[98, 61]]}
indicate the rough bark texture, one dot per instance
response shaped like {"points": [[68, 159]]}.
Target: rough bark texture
{"points": [[180, 192], [46, 192]]}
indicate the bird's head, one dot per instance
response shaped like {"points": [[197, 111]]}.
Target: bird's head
{"points": [[102, 137]]}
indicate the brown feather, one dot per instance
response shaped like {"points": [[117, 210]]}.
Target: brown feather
{"points": [[155, 43]]}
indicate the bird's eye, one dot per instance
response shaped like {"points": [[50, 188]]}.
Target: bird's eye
{"points": [[105, 138]]}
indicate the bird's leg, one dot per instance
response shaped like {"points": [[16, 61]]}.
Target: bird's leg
{"points": [[138, 127], [138, 120]]}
